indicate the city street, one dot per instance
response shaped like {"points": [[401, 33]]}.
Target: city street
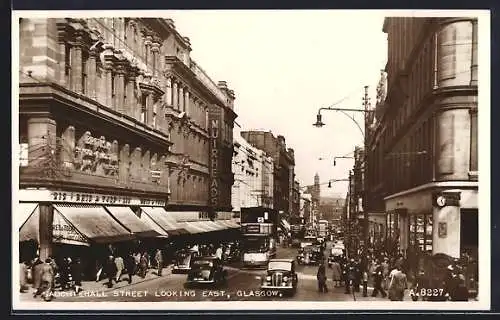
{"points": [[243, 284]]}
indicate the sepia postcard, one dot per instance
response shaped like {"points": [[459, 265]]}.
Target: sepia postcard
{"points": [[251, 160]]}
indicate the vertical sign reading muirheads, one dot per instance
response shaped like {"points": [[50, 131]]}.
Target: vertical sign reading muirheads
{"points": [[214, 188]]}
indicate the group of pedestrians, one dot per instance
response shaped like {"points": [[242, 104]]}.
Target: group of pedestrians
{"points": [[386, 275], [47, 276], [131, 264]]}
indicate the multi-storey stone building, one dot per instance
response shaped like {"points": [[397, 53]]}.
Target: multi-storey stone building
{"points": [[422, 148], [113, 112], [284, 162], [253, 176]]}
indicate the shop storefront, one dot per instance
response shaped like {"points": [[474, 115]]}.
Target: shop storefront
{"points": [[89, 226], [431, 221]]}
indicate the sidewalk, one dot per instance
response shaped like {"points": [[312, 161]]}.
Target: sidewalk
{"points": [[101, 286]]}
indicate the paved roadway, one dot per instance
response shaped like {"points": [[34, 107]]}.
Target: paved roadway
{"points": [[242, 285]]}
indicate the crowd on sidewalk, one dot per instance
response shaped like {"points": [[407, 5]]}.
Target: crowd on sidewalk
{"points": [[47, 276], [386, 274]]}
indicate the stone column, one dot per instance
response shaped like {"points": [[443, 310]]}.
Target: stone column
{"points": [[180, 97], [168, 91], [61, 40], [175, 93], [45, 236], [92, 74], [155, 49], [108, 69], [41, 139], [138, 101], [129, 92], [147, 54], [120, 89], [149, 109], [76, 64], [68, 147], [474, 64], [186, 102]]}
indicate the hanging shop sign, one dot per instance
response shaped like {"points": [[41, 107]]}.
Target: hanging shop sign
{"points": [[61, 196], [214, 157]]}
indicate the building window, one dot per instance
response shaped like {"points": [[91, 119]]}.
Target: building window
{"points": [[67, 63], [143, 108], [85, 57], [473, 140], [154, 115]]}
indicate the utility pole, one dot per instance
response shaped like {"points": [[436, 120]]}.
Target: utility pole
{"points": [[368, 116]]}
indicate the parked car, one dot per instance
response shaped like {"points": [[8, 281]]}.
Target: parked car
{"points": [[206, 271], [183, 260], [310, 255], [280, 275]]}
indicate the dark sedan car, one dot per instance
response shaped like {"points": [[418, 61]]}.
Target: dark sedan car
{"points": [[183, 260], [206, 271], [310, 255], [280, 276]]}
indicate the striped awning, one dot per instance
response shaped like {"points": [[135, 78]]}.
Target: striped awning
{"points": [[195, 227], [164, 220], [93, 222], [132, 222]]}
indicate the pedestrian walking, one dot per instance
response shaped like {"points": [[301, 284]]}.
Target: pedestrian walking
{"points": [[23, 276], [385, 273], [336, 273], [321, 277], [77, 274], [46, 280], [218, 253], [110, 270], [36, 272], [397, 284], [143, 265], [99, 266], [119, 268], [377, 281], [130, 266], [159, 261]]}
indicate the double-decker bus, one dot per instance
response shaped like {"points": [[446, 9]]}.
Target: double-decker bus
{"points": [[323, 229], [298, 230], [259, 232]]}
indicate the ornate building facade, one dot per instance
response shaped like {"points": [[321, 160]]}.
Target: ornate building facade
{"points": [[253, 176], [425, 135], [113, 111], [284, 163]]}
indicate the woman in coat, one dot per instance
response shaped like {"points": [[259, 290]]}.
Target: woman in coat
{"points": [[46, 280], [23, 277], [336, 274], [321, 277], [37, 275]]}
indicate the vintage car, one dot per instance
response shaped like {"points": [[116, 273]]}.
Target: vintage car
{"points": [[308, 241], [232, 252], [280, 276], [310, 255], [183, 260], [206, 271]]}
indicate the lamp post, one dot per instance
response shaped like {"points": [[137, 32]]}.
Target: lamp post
{"points": [[319, 123]]}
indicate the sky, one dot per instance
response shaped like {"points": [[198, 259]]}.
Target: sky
{"points": [[284, 66]]}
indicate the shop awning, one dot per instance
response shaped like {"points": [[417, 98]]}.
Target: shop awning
{"points": [[197, 226], [166, 222], [94, 223], [133, 223], [28, 215], [215, 225], [23, 212], [155, 226], [227, 224]]}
